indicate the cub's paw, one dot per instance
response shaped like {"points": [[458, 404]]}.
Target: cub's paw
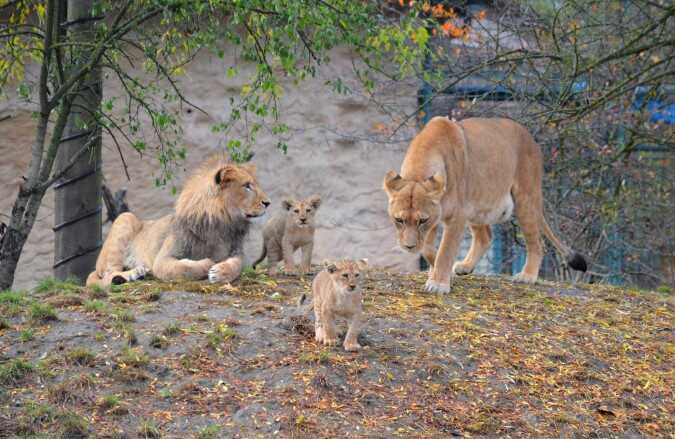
{"points": [[461, 268], [436, 287], [289, 270], [352, 347], [224, 272], [525, 278], [330, 341]]}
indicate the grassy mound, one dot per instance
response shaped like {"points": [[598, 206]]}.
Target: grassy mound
{"points": [[493, 358]]}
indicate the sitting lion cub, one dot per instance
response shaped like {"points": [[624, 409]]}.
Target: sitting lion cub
{"points": [[336, 292], [289, 230]]}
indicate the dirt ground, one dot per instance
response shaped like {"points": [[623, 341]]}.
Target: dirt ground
{"points": [[491, 359]]}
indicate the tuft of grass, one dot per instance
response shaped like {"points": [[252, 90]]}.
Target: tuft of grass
{"points": [[664, 289], [73, 425], [148, 429], [209, 432], [96, 306], [321, 357], [171, 330], [133, 357], [73, 390], [52, 285], [38, 413], [14, 370], [26, 335], [42, 313], [219, 335], [97, 292], [166, 393], [128, 333], [108, 402], [152, 296], [159, 342], [11, 302], [81, 357], [66, 299], [123, 315]]}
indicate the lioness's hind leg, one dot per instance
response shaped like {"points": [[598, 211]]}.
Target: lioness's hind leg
{"points": [[529, 212], [481, 235]]}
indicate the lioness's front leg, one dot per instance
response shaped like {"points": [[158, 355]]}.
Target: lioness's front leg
{"points": [[351, 339], [441, 274], [225, 271]]}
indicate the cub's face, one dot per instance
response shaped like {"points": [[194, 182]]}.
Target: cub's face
{"points": [[241, 194], [414, 207], [346, 275], [301, 213]]}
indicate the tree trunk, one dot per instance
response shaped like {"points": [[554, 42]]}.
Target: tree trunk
{"points": [[77, 213]]}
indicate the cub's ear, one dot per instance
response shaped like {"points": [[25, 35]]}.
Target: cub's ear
{"points": [[331, 268], [225, 175], [392, 182], [315, 201], [287, 204], [435, 186], [362, 264]]}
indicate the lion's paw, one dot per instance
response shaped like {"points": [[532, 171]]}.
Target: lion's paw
{"points": [[436, 287], [225, 272], [330, 341], [525, 278], [138, 273], [462, 269]]}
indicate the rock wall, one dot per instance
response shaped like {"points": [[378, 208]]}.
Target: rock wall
{"points": [[327, 154]]}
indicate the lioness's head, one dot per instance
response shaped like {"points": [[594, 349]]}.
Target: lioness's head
{"points": [[238, 186], [346, 274], [301, 213], [414, 207]]}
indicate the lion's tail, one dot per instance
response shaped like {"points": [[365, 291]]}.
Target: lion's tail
{"points": [[574, 259], [262, 256]]}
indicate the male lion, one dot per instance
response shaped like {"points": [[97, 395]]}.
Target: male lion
{"points": [[202, 238], [473, 171]]}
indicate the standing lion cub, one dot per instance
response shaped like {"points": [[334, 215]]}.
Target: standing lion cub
{"points": [[289, 230], [336, 292]]}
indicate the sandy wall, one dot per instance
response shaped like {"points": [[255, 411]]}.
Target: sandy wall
{"points": [[327, 154]]}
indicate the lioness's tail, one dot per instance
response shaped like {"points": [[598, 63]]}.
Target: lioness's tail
{"points": [[575, 260], [262, 256]]}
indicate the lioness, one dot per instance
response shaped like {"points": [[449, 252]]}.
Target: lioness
{"points": [[289, 230], [203, 238], [476, 171], [336, 292]]}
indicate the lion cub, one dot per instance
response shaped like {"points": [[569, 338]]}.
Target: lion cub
{"points": [[289, 230], [336, 292]]}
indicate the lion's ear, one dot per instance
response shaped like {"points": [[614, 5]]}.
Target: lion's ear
{"points": [[287, 204], [392, 182], [224, 175], [315, 201], [435, 186]]}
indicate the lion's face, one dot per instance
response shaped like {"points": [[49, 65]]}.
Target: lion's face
{"points": [[239, 188], [414, 207], [346, 275], [302, 213]]}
